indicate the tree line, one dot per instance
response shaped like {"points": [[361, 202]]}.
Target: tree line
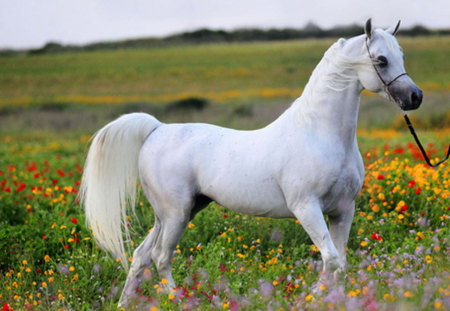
{"points": [[206, 35]]}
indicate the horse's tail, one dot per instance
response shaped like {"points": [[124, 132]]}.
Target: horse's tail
{"points": [[110, 176]]}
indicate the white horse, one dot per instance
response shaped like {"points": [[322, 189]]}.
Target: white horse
{"points": [[306, 164]]}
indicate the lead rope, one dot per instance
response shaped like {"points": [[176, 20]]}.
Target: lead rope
{"points": [[416, 138], [408, 122]]}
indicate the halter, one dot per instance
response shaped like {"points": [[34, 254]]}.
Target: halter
{"points": [[408, 122], [378, 73]]}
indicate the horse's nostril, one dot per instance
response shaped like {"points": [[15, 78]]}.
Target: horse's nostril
{"points": [[416, 97]]}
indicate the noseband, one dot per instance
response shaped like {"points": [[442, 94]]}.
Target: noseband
{"points": [[408, 122]]}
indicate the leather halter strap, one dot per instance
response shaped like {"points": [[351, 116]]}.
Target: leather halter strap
{"points": [[378, 73]]}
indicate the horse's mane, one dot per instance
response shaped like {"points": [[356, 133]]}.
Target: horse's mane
{"points": [[337, 69], [335, 72]]}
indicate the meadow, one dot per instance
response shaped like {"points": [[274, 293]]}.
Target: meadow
{"points": [[399, 247]]}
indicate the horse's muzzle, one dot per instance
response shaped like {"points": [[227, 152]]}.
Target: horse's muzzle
{"points": [[406, 94]]}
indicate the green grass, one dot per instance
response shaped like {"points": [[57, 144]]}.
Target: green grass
{"points": [[48, 260], [199, 68], [82, 91], [51, 104]]}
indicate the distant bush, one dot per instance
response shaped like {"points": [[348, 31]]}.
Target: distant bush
{"points": [[50, 47], [243, 111], [188, 104]]}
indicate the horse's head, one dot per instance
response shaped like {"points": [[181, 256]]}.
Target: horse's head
{"points": [[387, 76]]}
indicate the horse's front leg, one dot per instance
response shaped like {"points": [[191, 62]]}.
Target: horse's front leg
{"points": [[310, 215], [339, 230]]}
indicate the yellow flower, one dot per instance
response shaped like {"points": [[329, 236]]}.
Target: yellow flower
{"points": [[309, 297], [314, 248], [353, 293], [408, 294], [420, 235], [44, 284], [47, 258], [164, 281], [438, 305]]}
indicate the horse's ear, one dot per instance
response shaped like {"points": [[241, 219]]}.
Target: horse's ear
{"points": [[368, 28], [394, 30]]}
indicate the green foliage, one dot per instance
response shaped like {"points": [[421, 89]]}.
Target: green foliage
{"points": [[187, 104], [48, 259]]}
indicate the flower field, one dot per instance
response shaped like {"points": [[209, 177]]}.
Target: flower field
{"points": [[399, 247], [398, 250]]}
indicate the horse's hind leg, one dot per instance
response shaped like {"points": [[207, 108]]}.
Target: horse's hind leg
{"points": [[171, 230], [158, 246], [141, 260]]}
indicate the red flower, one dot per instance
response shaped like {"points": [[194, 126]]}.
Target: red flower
{"points": [[411, 183], [225, 215], [376, 236], [6, 307], [419, 190], [32, 167], [21, 187], [399, 150], [380, 177], [74, 220], [61, 173]]}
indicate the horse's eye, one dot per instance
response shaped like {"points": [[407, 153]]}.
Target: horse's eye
{"points": [[382, 61]]}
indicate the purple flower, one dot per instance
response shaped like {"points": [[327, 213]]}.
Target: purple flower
{"points": [[266, 289]]}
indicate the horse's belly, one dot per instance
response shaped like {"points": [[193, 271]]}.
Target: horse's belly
{"points": [[257, 198]]}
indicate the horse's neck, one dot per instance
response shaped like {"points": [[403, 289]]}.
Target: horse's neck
{"points": [[331, 112]]}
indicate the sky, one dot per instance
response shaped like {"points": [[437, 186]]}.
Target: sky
{"points": [[32, 23]]}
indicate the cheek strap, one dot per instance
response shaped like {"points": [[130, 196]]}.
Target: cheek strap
{"points": [[386, 85]]}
